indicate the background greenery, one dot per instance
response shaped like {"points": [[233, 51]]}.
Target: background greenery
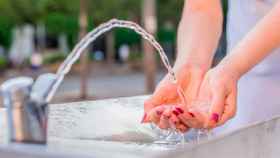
{"points": [[61, 16]]}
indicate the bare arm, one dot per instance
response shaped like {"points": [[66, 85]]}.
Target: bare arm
{"points": [[220, 83], [258, 43], [198, 35], [199, 32]]}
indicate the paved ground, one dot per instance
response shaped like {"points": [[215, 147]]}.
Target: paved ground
{"points": [[107, 86], [105, 81]]}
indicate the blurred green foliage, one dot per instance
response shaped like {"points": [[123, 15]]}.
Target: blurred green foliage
{"points": [[62, 16], [57, 23], [54, 57], [126, 36], [103, 10], [166, 35], [169, 10], [135, 56], [5, 31], [3, 63]]}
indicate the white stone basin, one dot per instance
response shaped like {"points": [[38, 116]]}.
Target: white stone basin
{"points": [[111, 128]]}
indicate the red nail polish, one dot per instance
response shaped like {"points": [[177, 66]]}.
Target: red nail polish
{"points": [[159, 112], [166, 117], [192, 115], [180, 110], [175, 112], [144, 118], [215, 117]]}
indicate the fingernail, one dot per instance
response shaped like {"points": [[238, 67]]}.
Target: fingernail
{"points": [[192, 115], [166, 117], [175, 112], [144, 118], [180, 110], [159, 112], [215, 117]]}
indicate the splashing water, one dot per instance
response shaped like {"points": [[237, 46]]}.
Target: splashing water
{"points": [[65, 67]]}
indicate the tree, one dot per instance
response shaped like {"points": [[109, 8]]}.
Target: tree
{"points": [[83, 20], [150, 23]]}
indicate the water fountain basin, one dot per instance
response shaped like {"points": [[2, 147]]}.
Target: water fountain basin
{"points": [[111, 128]]}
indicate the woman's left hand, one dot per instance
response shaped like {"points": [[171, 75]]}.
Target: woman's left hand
{"points": [[219, 88]]}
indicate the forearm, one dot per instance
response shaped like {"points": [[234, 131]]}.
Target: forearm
{"points": [[258, 43], [199, 32]]}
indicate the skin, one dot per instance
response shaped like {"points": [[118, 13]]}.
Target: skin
{"points": [[221, 82], [198, 35]]}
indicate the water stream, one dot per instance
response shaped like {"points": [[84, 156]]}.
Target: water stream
{"points": [[93, 35]]}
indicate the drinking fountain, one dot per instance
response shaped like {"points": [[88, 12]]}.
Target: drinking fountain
{"points": [[27, 109], [27, 115], [82, 129]]}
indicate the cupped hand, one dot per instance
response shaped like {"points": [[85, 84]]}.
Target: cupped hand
{"points": [[189, 78], [219, 90]]}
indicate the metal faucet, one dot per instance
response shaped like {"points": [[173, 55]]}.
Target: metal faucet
{"points": [[27, 108]]}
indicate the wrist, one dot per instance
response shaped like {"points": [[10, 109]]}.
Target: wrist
{"points": [[191, 65], [195, 56], [203, 65], [229, 70]]}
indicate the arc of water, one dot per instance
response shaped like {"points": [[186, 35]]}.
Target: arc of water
{"points": [[91, 36]]}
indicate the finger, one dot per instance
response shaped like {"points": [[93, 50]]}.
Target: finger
{"points": [[164, 94], [194, 118], [151, 109], [217, 109], [176, 113], [166, 91], [182, 115], [175, 123], [155, 114], [167, 113], [151, 103], [163, 123], [163, 119], [175, 120], [230, 108], [183, 128], [188, 120], [180, 126], [168, 120], [157, 98]]}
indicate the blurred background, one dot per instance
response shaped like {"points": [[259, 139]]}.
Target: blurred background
{"points": [[37, 35]]}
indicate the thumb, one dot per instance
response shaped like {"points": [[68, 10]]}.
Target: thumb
{"points": [[165, 93], [150, 104]]}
